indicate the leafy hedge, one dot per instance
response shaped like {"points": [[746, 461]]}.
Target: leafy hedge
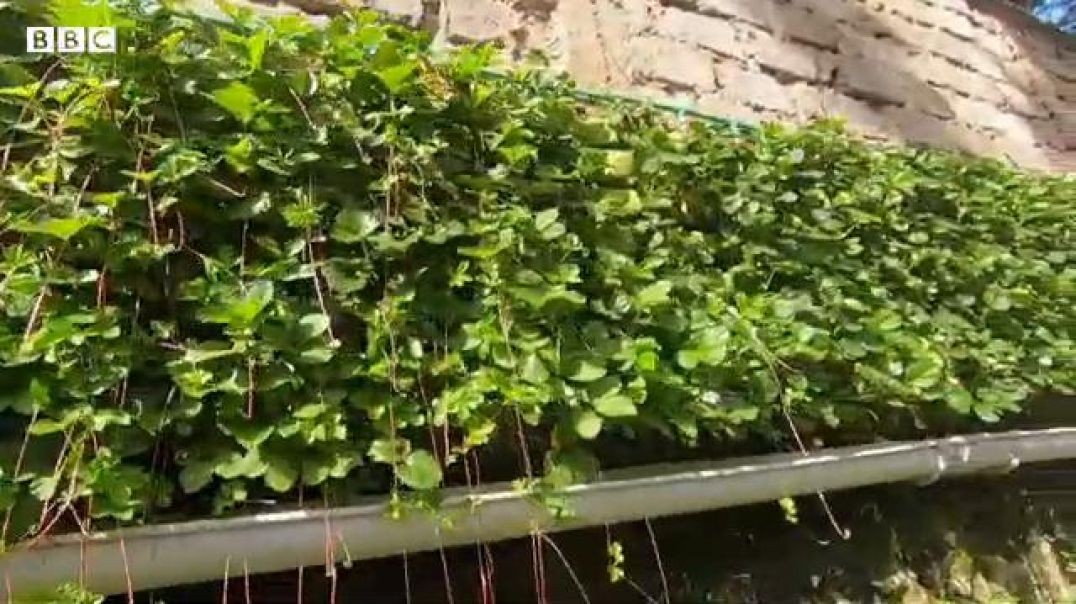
{"points": [[254, 255]]}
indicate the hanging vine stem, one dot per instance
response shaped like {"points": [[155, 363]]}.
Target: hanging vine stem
{"points": [[330, 549], [127, 572], [151, 207], [567, 566], [67, 502], [635, 586], [246, 582], [485, 573], [224, 587], [538, 563], [407, 580], [772, 361], [17, 471], [5, 159], [315, 263], [301, 571], [657, 558], [842, 532]]}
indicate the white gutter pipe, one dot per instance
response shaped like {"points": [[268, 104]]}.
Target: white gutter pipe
{"points": [[171, 554]]}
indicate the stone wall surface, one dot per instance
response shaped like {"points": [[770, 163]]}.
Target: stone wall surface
{"points": [[976, 75]]}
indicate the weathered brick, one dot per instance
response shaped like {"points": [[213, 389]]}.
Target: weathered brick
{"points": [[871, 81], [1022, 103], [781, 18], [479, 19], [788, 59], [671, 62], [597, 51], [969, 55], [761, 12], [954, 23], [888, 83], [978, 114], [1060, 161], [755, 89], [919, 127], [1063, 68], [939, 72], [727, 105], [860, 116], [409, 11], [808, 100], [855, 44], [807, 28], [886, 24], [718, 35]]}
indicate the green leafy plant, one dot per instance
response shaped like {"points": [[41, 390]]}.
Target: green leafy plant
{"points": [[262, 256]]}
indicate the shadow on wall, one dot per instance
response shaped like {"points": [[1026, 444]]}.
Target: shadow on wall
{"points": [[1049, 74], [985, 78]]}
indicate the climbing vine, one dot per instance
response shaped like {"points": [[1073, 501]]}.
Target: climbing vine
{"points": [[262, 256]]}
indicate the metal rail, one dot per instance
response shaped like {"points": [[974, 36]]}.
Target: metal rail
{"points": [[172, 554]]}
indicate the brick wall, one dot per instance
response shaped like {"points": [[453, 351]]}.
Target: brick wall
{"points": [[977, 75]]}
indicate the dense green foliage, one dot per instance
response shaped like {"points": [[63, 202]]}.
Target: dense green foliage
{"points": [[261, 255]]}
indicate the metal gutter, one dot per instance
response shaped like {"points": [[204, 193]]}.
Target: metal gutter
{"points": [[171, 554]]}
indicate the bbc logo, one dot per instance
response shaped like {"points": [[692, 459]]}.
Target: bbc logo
{"points": [[67, 40]]}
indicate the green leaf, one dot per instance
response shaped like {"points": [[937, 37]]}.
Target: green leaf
{"points": [[353, 225], [583, 370], [546, 219], [242, 312], [397, 76], [653, 294], [237, 99], [588, 424], [420, 471], [997, 299], [47, 426], [534, 370], [256, 45], [85, 13], [179, 165], [239, 155], [61, 228], [708, 347], [209, 351], [248, 465], [959, 400], [925, 371], [313, 325], [392, 451], [310, 411], [280, 474], [318, 355], [248, 432], [615, 405], [196, 475]]}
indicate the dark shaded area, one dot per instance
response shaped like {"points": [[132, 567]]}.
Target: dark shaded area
{"points": [[747, 554]]}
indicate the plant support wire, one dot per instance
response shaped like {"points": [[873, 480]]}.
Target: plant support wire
{"points": [[172, 554]]}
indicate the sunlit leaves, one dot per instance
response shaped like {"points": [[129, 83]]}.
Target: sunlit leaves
{"points": [[243, 311], [283, 252], [353, 225], [420, 471], [584, 370], [61, 228], [238, 99]]}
